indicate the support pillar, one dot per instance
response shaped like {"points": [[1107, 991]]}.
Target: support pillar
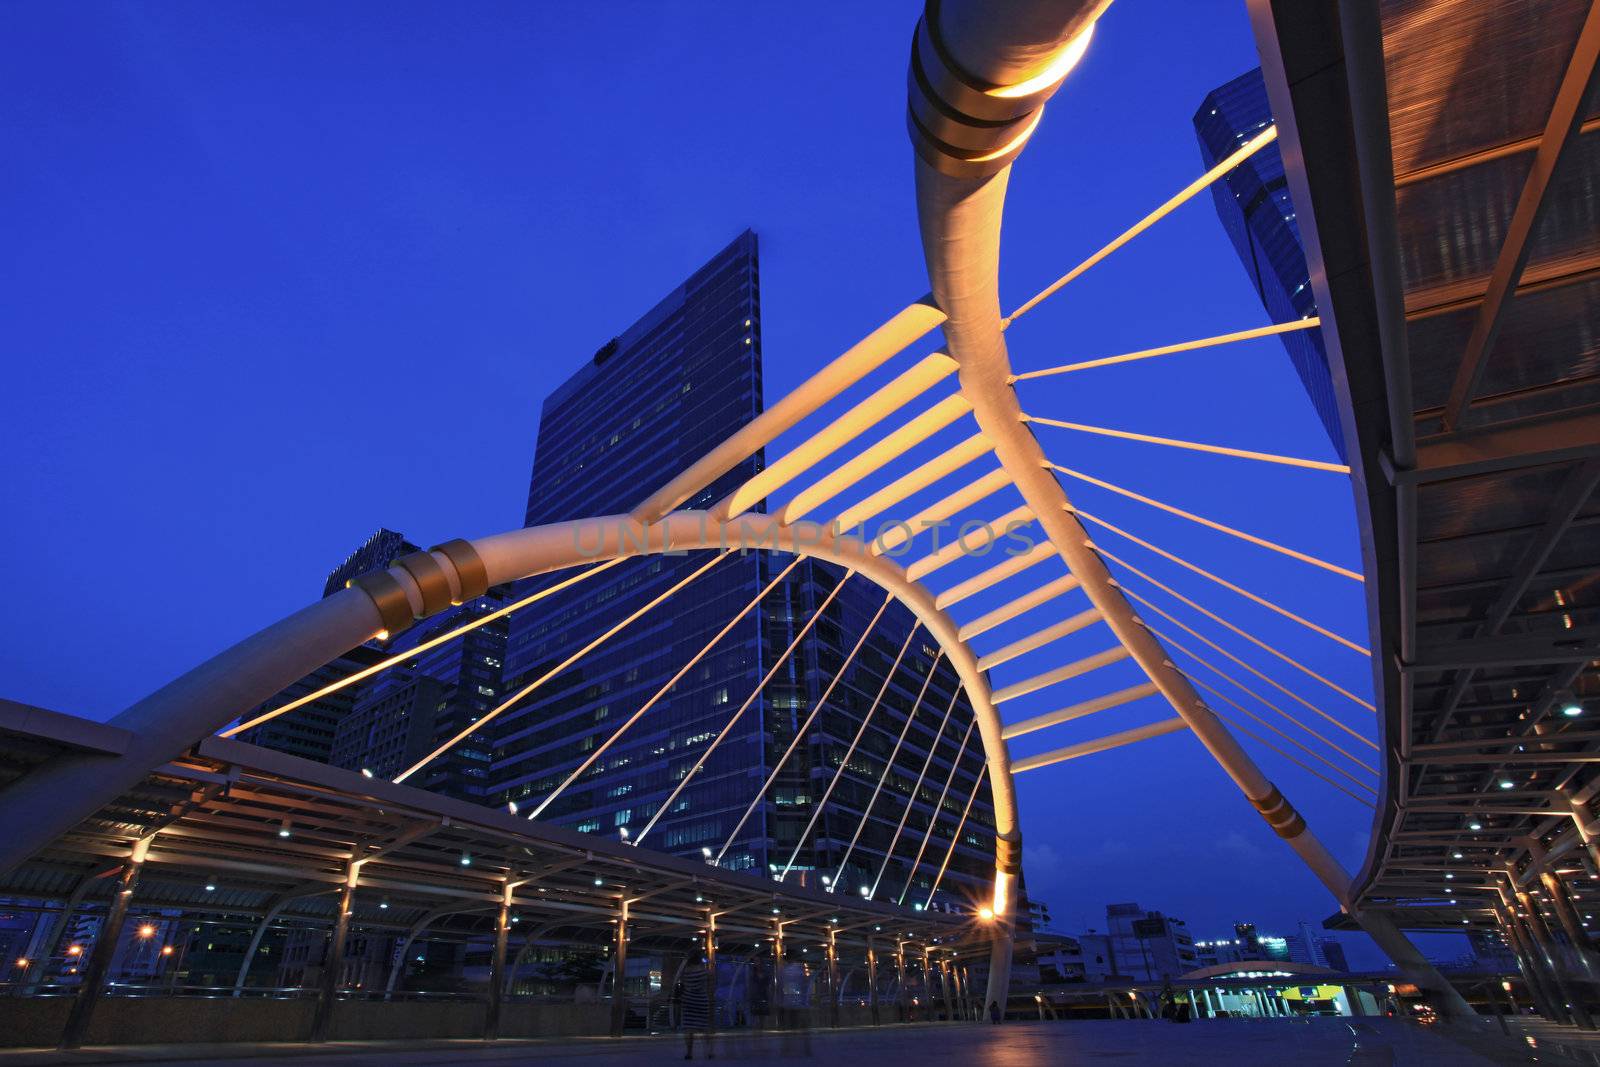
{"points": [[872, 981], [711, 977], [775, 997], [1447, 1000], [333, 965], [497, 967], [1546, 946], [944, 987], [1544, 998], [619, 972], [833, 981], [1571, 923], [961, 995], [1007, 872], [255, 944], [901, 993], [105, 947], [1591, 844]]}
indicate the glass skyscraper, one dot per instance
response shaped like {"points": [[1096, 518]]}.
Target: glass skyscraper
{"points": [[649, 403], [406, 712], [310, 731], [1253, 202], [387, 723]]}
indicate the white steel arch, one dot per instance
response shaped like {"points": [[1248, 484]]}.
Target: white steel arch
{"points": [[981, 72]]}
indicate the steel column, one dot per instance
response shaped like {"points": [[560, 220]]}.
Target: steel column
{"points": [[1571, 923], [1533, 976], [333, 964], [619, 972], [872, 981], [711, 978], [1546, 953], [105, 947], [833, 981], [497, 968]]}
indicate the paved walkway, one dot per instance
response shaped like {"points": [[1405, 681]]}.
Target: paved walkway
{"points": [[1232, 1042]]}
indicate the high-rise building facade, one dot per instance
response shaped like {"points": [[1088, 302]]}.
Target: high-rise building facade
{"points": [[385, 724], [419, 704], [376, 553], [1148, 945], [649, 403], [310, 730], [1253, 203]]}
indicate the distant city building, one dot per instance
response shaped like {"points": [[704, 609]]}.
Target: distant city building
{"points": [[649, 402], [1253, 203], [1306, 945], [1214, 953], [410, 710], [1332, 953], [386, 725], [1275, 949], [1099, 964], [1148, 945], [1059, 957], [376, 553], [1489, 951], [309, 731]]}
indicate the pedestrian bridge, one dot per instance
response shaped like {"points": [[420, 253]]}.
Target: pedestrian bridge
{"points": [[144, 811]]}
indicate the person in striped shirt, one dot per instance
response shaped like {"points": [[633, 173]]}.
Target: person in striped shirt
{"points": [[692, 995]]}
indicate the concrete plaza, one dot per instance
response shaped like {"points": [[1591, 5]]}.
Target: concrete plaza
{"points": [[1320, 1042]]}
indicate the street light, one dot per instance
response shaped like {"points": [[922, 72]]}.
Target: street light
{"points": [[986, 913], [147, 930]]}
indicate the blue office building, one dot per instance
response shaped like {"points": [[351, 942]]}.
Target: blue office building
{"points": [[648, 403], [1253, 202]]}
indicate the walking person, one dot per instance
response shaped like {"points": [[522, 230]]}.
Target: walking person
{"points": [[692, 996]]}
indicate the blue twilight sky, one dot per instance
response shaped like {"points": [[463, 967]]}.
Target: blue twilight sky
{"points": [[278, 274]]}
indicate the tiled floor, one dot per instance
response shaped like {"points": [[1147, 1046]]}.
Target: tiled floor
{"points": [[1231, 1042]]}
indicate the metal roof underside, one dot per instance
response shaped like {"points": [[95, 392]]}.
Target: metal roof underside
{"points": [[222, 808], [1485, 522]]}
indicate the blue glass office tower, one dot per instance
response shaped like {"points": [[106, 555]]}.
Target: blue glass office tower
{"points": [[403, 714], [389, 722], [310, 731], [1253, 202], [648, 403]]}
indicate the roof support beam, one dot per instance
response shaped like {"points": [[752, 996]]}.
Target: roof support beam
{"points": [[1510, 650], [1100, 744], [1560, 133], [1039, 639], [1079, 710], [883, 403], [1465, 453], [1061, 674], [1018, 563], [1023, 604], [867, 355]]}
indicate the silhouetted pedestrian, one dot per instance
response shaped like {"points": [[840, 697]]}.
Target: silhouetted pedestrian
{"points": [[692, 996]]}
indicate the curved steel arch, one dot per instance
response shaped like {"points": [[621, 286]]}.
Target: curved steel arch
{"points": [[543, 549], [209, 697], [981, 72]]}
